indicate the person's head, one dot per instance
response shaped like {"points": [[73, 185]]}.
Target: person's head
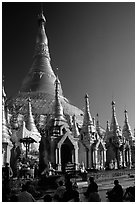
{"points": [[47, 198], [91, 179], [116, 182]]}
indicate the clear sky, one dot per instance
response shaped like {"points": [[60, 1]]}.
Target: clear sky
{"points": [[93, 44]]}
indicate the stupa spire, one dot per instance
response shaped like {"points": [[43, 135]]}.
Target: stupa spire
{"points": [[108, 127], [126, 131], [58, 109], [30, 130], [107, 131], [114, 124], [41, 77], [97, 123], [41, 40], [126, 116], [30, 124], [87, 116]]}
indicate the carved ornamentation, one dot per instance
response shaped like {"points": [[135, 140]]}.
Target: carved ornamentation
{"points": [[42, 49]]}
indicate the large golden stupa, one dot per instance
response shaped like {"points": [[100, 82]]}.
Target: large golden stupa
{"points": [[39, 84]]}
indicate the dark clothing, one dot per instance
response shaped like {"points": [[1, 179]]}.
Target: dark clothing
{"points": [[7, 173], [93, 187], [116, 194], [130, 194], [71, 195], [24, 196], [94, 197]]}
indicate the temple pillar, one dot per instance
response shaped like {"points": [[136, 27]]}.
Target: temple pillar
{"points": [[6, 152], [129, 158], [76, 156], [90, 160], [73, 156], [56, 158], [120, 159], [95, 158], [115, 164], [52, 151], [123, 158], [87, 158], [126, 158], [59, 159], [104, 157]]}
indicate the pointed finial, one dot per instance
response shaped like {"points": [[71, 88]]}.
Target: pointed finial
{"points": [[107, 124], [113, 103], [114, 124], [57, 71], [126, 116], [29, 99], [57, 82], [97, 123], [86, 95], [87, 116], [41, 17], [125, 111]]}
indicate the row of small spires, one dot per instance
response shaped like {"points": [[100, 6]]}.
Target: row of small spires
{"points": [[88, 120]]}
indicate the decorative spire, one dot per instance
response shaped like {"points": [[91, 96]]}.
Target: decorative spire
{"points": [[58, 109], [108, 127], [114, 124], [41, 77], [41, 40], [126, 128], [30, 124], [97, 123], [30, 129], [75, 130], [126, 116], [87, 116], [107, 133]]}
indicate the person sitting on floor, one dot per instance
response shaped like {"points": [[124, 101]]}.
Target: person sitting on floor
{"points": [[60, 191], [116, 194], [71, 194], [25, 196], [92, 191]]}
